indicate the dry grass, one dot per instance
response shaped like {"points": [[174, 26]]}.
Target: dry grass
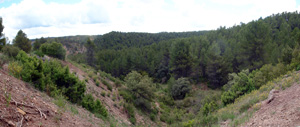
{"points": [[243, 107]]}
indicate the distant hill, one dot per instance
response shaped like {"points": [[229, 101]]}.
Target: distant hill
{"points": [[120, 40]]}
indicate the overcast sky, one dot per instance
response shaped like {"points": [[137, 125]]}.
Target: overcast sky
{"points": [[50, 18]]}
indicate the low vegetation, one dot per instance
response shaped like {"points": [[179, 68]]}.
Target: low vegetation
{"points": [[181, 79], [51, 77]]}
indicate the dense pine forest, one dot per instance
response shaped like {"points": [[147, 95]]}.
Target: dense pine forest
{"points": [[192, 76], [205, 56]]}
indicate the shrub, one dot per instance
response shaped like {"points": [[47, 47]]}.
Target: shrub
{"points": [[168, 100], [15, 69], [39, 53], [3, 59], [103, 93], [152, 116], [130, 110], [10, 51], [167, 117], [189, 123], [44, 74], [95, 78], [180, 88], [238, 84], [100, 109], [126, 95], [93, 106], [143, 104], [90, 74], [109, 87], [140, 87], [97, 83], [55, 79], [54, 49], [208, 120], [118, 83], [209, 107], [88, 102], [60, 101]]}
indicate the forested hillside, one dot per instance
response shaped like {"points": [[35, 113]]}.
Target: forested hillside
{"points": [[207, 56], [188, 78]]}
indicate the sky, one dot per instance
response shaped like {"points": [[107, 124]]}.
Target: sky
{"points": [[53, 18]]}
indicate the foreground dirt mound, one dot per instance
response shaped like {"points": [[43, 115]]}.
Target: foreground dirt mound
{"points": [[23, 106], [282, 109]]}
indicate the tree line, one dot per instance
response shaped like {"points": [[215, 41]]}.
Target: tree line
{"points": [[208, 57]]}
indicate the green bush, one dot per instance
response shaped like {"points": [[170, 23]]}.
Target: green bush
{"points": [[100, 109], [152, 116], [93, 106], [141, 89], [167, 117], [118, 83], [208, 120], [103, 93], [209, 108], [238, 84], [109, 87], [10, 50], [166, 99], [3, 59], [95, 78], [180, 88], [189, 123], [52, 77], [44, 74], [126, 95], [54, 49], [15, 69], [130, 110], [97, 83], [39, 53]]}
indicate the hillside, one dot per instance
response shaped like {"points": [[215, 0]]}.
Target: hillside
{"points": [[274, 104], [282, 110], [204, 78], [53, 111], [23, 106]]}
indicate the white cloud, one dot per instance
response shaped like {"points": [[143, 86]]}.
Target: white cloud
{"points": [[38, 18]]}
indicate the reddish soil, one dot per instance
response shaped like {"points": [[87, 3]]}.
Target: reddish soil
{"points": [[28, 107], [282, 111], [112, 101]]}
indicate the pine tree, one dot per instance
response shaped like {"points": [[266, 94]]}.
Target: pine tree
{"points": [[181, 61], [2, 38], [22, 41], [90, 51]]}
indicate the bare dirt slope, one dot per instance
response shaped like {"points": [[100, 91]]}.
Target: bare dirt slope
{"points": [[23, 106], [283, 110]]}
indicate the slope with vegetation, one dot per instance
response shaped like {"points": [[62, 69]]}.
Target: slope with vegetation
{"points": [[235, 61], [203, 78]]}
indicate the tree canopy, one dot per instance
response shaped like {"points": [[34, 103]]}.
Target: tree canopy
{"points": [[22, 41]]}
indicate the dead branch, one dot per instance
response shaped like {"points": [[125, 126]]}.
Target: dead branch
{"points": [[41, 113], [21, 104], [7, 122], [19, 124]]}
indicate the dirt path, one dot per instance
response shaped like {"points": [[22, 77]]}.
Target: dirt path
{"points": [[282, 111]]}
